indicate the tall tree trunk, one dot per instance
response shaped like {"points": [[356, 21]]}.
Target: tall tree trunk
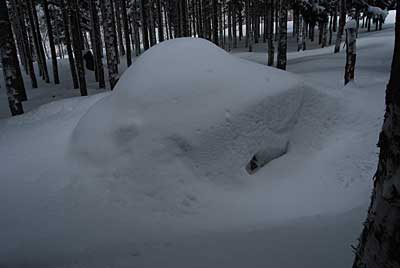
{"points": [[380, 240], [77, 44], [234, 23], [342, 22], [20, 17], [9, 61], [282, 44], [97, 46], [350, 54], [126, 33], [109, 39], [119, 27], [215, 21], [51, 42], [160, 22], [67, 38], [152, 29], [33, 21], [145, 33], [271, 48]]}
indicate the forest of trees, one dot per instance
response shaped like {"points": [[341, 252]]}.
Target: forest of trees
{"points": [[85, 32]]}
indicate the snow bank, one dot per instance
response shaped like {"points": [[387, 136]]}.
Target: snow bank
{"points": [[189, 100]]}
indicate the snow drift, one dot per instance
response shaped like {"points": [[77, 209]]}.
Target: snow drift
{"points": [[190, 101], [154, 173]]}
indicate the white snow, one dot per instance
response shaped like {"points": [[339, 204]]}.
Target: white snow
{"points": [[153, 173]]}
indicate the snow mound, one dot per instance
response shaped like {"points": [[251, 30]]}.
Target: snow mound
{"points": [[189, 102]]}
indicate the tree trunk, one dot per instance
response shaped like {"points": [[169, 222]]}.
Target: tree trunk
{"points": [[126, 33], [109, 39], [20, 17], [215, 21], [350, 54], [160, 22], [145, 33], [9, 61], [97, 46], [77, 44], [271, 48], [67, 38], [119, 27], [51, 42], [342, 22], [380, 239], [31, 10], [282, 45]]}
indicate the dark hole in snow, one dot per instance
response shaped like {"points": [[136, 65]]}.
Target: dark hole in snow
{"points": [[266, 155], [253, 165]]}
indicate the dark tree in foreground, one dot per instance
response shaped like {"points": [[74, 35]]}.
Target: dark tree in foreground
{"points": [[282, 45], [379, 245], [342, 22], [9, 61], [351, 32]]}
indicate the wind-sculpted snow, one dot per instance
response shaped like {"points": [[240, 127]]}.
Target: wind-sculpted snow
{"points": [[187, 100], [154, 174]]}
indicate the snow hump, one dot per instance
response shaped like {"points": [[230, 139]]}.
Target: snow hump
{"points": [[187, 102]]}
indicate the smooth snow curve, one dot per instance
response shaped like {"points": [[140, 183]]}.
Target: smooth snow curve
{"points": [[153, 174], [187, 100]]}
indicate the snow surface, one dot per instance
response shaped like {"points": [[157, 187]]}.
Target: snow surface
{"points": [[153, 174]]}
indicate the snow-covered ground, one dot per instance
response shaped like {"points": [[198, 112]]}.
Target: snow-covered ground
{"points": [[153, 174]]}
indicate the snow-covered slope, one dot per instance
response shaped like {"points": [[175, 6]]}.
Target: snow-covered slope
{"points": [[153, 174]]}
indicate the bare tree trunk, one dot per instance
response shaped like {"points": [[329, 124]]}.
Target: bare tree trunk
{"points": [[215, 21], [97, 46], [145, 33], [126, 33], [109, 39], [271, 48], [282, 44], [350, 53], [342, 22], [67, 38], [119, 27], [20, 18], [51, 42], [31, 10], [77, 45], [160, 22], [9, 61], [380, 241]]}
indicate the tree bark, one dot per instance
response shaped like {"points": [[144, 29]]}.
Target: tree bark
{"points": [[77, 44], [10, 64], [282, 44], [126, 33], [97, 46], [109, 39], [51, 42], [271, 48], [31, 10], [350, 55], [380, 239], [342, 22], [215, 21], [67, 39]]}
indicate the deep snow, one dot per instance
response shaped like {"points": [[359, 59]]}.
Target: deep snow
{"points": [[153, 174]]}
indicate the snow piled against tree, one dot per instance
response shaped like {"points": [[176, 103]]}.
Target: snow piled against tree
{"points": [[115, 178]]}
